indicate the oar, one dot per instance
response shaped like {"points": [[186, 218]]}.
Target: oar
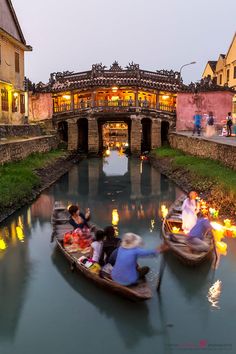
{"points": [[215, 250], [161, 272]]}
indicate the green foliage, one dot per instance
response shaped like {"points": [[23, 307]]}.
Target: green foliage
{"points": [[202, 168], [18, 179]]}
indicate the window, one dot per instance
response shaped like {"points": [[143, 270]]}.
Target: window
{"points": [[220, 81], [17, 62], [227, 74], [22, 103], [14, 102], [235, 72], [4, 99]]}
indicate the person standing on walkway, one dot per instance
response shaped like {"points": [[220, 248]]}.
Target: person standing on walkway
{"points": [[197, 119], [210, 128], [229, 123]]}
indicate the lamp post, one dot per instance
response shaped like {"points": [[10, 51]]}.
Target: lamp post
{"points": [[192, 62]]}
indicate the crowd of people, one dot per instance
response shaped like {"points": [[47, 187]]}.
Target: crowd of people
{"points": [[209, 121], [118, 258]]}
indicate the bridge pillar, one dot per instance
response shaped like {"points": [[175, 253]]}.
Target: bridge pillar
{"points": [[135, 135], [72, 135], [93, 137], [156, 133]]}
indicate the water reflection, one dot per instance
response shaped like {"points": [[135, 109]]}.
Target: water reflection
{"points": [[214, 294]]}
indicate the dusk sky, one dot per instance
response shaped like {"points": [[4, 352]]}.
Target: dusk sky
{"points": [[157, 34]]}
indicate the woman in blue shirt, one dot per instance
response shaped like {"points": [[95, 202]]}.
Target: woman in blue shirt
{"points": [[126, 270]]}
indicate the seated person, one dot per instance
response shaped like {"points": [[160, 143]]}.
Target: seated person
{"points": [[126, 270], [110, 243], [96, 246], [78, 219], [196, 235]]}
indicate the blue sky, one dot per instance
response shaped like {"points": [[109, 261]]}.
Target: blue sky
{"points": [[74, 34]]}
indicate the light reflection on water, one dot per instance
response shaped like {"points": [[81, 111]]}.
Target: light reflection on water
{"points": [[43, 304]]}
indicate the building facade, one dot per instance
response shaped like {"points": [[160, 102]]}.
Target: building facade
{"points": [[13, 99], [223, 71]]}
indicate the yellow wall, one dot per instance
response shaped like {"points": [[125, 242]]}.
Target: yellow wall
{"points": [[208, 72], [10, 79]]}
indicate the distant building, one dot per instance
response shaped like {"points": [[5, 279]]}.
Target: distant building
{"points": [[13, 99], [224, 70]]}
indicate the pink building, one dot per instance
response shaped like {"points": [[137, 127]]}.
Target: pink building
{"points": [[218, 102]]}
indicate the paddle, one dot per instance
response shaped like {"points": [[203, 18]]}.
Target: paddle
{"points": [[215, 250], [161, 272]]}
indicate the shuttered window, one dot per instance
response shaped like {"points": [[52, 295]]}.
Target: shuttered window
{"points": [[22, 103], [17, 62], [4, 100]]}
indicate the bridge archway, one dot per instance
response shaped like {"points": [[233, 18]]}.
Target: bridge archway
{"points": [[62, 129], [165, 126], [146, 134], [114, 132]]}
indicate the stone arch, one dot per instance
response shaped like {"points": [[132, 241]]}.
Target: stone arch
{"points": [[83, 134], [62, 129], [146, 141], [165, 126]]}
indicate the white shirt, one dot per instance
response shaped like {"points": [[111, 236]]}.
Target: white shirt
{"points": [[97, 249]]}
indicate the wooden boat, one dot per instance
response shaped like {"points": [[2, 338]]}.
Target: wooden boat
{"points": [[175, 238], [60, 223]]}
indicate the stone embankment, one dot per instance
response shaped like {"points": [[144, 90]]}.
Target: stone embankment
{"points": [[205, 148], [48, 175], [209, 190]]}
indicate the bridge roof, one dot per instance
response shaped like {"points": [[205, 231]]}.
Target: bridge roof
{"points": [[100, 76]]}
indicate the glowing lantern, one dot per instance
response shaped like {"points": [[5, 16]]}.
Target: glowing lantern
{"points": [[108, 153], [222, 246], [214, 213], [175, 230], [227, 223]]}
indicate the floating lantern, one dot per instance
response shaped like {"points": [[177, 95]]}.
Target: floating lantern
{"points": [[175, 229], [214, 213], [222, 246], [218, 231]]}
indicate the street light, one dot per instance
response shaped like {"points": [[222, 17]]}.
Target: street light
{"points": [[192, 62]]}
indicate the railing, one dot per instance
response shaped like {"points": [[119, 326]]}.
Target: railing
{"points": [[116, 105]]}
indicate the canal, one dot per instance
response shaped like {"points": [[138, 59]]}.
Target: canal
{"points": [[45, 308]]}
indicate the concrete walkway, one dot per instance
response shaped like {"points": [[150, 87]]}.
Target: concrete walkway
{"points": [[217, 139]]}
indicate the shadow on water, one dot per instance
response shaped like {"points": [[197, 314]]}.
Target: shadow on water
{"points": [[137, 318], [191, 280]]}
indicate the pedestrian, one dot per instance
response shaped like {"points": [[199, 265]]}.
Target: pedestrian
{"points": [[210, 128], [197, 119], [229, 123]]}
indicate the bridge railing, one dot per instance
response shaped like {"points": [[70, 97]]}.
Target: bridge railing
{"points": [[107, 104]]}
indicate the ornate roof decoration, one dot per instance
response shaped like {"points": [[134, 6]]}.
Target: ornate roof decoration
{"points": [[206, 84], [98, 69], [115, 67], [132, 66], [99, 75]]}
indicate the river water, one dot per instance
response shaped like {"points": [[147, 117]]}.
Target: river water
{"points": [[45, 308]]}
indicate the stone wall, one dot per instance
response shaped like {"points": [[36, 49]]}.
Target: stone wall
{"points": [[226, 154], [40, 106], [7, 130], [20, 149], [219, 102]]}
